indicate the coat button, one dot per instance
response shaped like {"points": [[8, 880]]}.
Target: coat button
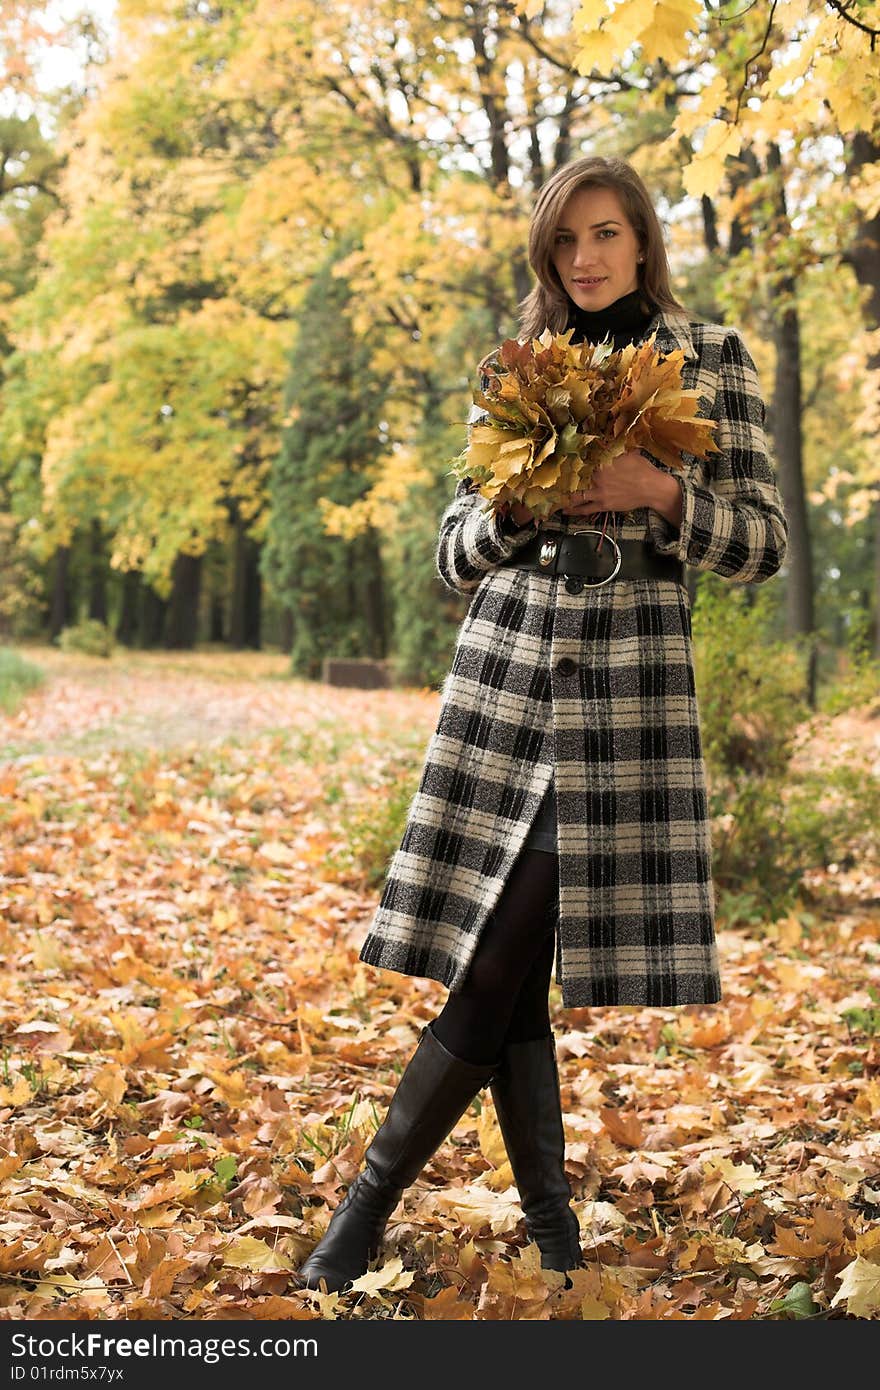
{"points": [[574, 585], [566, 667]]}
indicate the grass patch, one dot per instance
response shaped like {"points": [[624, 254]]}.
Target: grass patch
{"points": [[17, 678]]}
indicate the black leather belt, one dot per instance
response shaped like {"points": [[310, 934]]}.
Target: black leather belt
{"points": [[568, 553]]}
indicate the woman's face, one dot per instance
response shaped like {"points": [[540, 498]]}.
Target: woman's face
{"points": [[593, 238]]}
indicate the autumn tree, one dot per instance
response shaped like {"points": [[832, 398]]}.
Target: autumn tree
{"points": [[746, 85]]}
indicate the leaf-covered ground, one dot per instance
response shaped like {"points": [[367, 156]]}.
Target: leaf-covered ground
{"points": [[194, 1058]]}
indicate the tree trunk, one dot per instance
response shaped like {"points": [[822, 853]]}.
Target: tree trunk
{"points": [[745, 169], [863, 254], [61, 602], [153, 613], [253, 595], [710, 224], [216, 619], [788, 441], [246, 611], [183, 609], [373, 605], [97, 574], [127, 626]]}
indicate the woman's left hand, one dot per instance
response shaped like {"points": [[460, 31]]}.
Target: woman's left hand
{"points": [[628, 481]]}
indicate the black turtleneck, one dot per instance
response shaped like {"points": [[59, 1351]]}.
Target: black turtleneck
{"points": [[625, 319]]}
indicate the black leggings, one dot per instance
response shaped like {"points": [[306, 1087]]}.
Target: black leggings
{"points": [[504, 995]]}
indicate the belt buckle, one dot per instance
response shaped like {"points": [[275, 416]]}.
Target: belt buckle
{"points": [[594, 530], [547, 553]]}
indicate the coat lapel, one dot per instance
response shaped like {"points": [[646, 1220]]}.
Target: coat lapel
{"points": [[673, 331]]}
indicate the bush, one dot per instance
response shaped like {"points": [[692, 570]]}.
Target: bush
{"points": [[832, 816], [91, 637], [769, 824], [751, 689], [17, 677], [858, 680]]}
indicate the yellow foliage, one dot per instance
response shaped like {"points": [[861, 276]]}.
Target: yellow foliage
{"points": [[817, 58], [705, 171], [398, 472]]}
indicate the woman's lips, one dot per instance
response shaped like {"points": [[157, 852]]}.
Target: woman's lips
{"points": [[590, 284]]}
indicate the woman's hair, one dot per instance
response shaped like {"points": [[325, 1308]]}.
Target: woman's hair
{"points": [[548, 305]]}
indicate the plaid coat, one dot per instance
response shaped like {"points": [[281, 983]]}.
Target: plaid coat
{"points": [[595, 690]]}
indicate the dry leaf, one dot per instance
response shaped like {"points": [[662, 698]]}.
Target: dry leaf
{"points": [[860, 1287], [559, 411], [247, 1252]]}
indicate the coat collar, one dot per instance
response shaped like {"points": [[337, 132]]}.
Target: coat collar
{"points": [[673, 331]]}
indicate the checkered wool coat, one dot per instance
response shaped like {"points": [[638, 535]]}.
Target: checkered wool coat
{"points": [[619, 733]]}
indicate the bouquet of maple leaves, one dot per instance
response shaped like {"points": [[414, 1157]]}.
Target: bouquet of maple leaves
{"points": [[559, 411]]}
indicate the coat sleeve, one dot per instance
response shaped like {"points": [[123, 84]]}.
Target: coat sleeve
{"points": [[473, 538], [735, 524]]}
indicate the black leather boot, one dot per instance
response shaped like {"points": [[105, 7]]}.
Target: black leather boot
{"points": [[431, 1097], [525, 1088]]}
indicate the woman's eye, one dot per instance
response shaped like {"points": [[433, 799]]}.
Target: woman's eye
{"points": [[563, 236]]}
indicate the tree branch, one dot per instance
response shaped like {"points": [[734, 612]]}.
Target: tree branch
{"points": [[750, 60], [856, 23]]}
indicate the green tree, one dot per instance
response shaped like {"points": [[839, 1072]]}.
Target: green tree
{"points": [[331, 585]]}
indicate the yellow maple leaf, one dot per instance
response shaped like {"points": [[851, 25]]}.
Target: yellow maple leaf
{"points": [[234, 1087], [391, 1275], [797, 975], [752, 1076], [640, 1166], [19, 1093], [51, 1285], [860, 1286], [867, 1102], [110, 1083], [794, 67], [666, 33], [247, 1252], [590, 15], [490, 1137], [600, 51], [477, 1207], [740, 1177], [178, 1188]]}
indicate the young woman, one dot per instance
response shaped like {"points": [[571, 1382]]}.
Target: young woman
{"points": [[562, 811]]}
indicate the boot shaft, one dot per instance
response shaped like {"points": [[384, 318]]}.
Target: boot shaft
{"points": [[432, 1095], [525, 1089]]}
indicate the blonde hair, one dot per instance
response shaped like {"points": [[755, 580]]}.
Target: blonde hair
{"points": [[548, 305]]}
